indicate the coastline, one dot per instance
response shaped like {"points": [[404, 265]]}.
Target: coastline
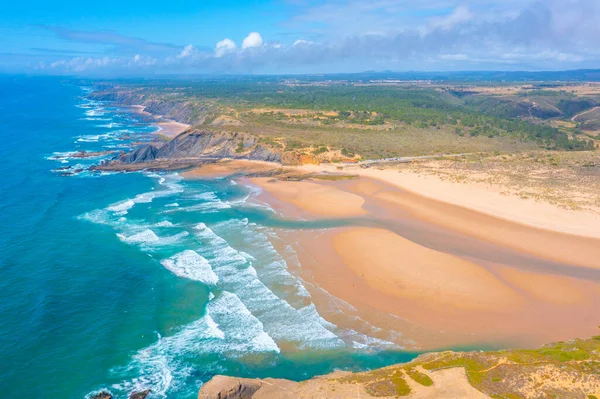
{"points": [[424, 262], [442, 274], [166, 127], [170, 129]]}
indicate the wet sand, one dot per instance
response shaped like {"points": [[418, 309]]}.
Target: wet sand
{"points": [[441, 274]]}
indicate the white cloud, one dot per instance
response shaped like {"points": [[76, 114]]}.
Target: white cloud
{"points": [[224, 46], [453, 57], [186, 52], [503, 34], [301, 42], [460, 15], [254, 39]]}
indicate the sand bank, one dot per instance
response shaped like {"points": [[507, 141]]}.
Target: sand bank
{"points": [[451, 275]]}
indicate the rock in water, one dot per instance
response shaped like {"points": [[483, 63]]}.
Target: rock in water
{"points": [[102, 395], [140, 395]]}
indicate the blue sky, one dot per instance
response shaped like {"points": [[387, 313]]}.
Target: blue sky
{"points": [[133, 37]]}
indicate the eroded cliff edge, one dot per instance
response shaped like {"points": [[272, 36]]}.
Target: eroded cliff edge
{"points": [[193, 147]]}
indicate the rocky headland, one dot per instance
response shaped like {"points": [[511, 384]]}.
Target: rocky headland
{"points": [[195, 146], [191, 148]]}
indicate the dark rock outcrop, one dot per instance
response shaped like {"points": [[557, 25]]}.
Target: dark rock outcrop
{"points": [[140, 395], [143, 153], [102, 395], [203, 144]]}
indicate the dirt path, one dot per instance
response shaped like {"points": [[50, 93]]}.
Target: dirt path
{"points": [[573, 119]]}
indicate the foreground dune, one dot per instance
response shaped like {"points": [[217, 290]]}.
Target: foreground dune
{"points": [[560, 370]]}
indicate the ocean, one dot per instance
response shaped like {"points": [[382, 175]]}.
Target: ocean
{"points": [[126, 281]]}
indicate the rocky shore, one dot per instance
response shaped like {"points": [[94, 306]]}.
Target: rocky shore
{"points": [[134, 395], [192, 148], [178, 110]]}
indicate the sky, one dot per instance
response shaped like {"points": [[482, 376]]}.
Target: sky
{"points": [[143, 38]]}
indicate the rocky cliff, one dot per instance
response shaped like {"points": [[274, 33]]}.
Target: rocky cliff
{"points": [[198, 143], [193, 147], [175, 108]]}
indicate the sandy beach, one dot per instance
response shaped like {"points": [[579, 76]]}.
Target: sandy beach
{"points": [[166, 127], [171, 129], [442, 264], [444, 274], [486, 199]]}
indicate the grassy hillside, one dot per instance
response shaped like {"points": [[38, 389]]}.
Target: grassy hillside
{"points": [[561, 370], [374, 120]]}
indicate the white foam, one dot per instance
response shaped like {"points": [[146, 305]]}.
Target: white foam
{"points": [[110, 125], [144, 198], [121, 208], [145, 237], [189, 264], [98, 111], [89, 118], [205, 207], [227, 329], [281, 321], [214, 330], [164, 223]]}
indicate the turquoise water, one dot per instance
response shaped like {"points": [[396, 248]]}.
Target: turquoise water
{"points": [[128, 281]]}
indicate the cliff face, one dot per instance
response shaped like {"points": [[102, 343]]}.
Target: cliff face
{"points": [[177, 109], [189, 148], [201, 144]]}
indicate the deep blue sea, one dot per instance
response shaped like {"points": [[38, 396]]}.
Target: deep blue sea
{"points": [[141, 280]]}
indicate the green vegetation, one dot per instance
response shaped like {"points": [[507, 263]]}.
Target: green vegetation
{"points": [[419, 377], [240, 147], [376, 120], [333, 177], [559, 370], [395, 385], [320, 150]]}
